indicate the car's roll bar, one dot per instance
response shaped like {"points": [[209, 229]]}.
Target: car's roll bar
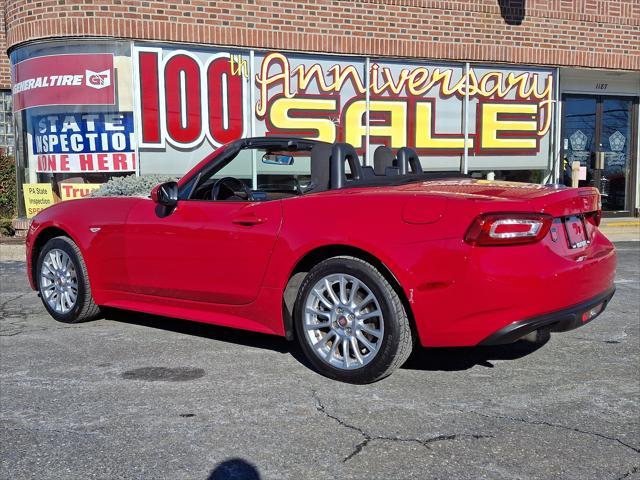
{"points": [[343, 153], [407, 157]]}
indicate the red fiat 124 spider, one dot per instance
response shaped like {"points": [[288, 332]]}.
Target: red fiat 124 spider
{"points": [[355, 262]]}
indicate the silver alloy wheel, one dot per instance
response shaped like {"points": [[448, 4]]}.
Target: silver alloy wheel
{"points": [[59, 281], [343, 321]]}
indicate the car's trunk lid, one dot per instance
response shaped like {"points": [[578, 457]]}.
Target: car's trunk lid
{"points": [[572, 208], [555, 200]]}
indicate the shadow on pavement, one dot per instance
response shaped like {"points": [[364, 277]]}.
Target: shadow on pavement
{"points": [[198, 329], [234, 469], [444, 359], [213, 332], [463, 358]]}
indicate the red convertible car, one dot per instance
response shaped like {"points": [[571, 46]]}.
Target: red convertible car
{"points": [[357, 263]]}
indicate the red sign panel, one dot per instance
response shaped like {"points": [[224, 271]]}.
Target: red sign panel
{"points": [[75, 79]]}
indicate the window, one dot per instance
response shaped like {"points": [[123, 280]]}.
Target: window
{"points": [[283, 172], [7, 138], [279, 173]]}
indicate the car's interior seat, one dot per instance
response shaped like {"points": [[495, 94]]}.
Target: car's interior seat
{"points": [[329, 166], [383, 159]]}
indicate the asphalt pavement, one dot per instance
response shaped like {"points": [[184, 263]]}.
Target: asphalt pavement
{"points": [[144, 397]]}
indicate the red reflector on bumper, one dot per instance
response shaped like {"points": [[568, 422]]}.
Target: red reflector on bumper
{"points": [[592, 313]]}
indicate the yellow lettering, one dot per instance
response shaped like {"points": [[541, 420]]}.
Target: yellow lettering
{"points": [[264, 80], [495, 80], [444, 78], [417, 83], [395, 129], [306, 76], [425, 136], [325, 129], [492, 126], [340, 76]]}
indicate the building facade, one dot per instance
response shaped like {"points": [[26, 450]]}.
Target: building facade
{"points": [[505, 89]]}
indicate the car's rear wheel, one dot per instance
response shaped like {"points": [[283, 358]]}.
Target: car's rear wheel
{"points": [[350, 322], [63, 282]]}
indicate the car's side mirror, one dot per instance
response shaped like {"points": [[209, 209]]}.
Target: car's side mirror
{"points": [[165, 194]]}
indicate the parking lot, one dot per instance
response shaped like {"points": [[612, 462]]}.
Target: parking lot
{"points": [[137, 396]]}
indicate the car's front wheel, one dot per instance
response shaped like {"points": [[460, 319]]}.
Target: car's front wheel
{"points": [[350, 322], [63, 282]]}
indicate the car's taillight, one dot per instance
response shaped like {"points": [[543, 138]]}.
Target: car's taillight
{"points": [[508, 228], [594, 217]]}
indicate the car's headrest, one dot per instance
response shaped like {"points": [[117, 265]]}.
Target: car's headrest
{"points": [[382, 158]]}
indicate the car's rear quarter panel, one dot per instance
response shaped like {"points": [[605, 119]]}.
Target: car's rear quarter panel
{"points": [[369, 221]]}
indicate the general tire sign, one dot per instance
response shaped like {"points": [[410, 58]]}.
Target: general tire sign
{"points": [[69, 79]]}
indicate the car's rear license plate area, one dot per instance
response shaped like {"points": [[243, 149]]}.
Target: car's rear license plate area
{"points": [[576, 231]]}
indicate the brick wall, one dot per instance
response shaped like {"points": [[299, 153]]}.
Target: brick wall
{"points": [[587, 33], [5, 74]]}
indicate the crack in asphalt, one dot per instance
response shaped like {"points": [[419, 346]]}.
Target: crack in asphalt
{"points": [[4, 304], [610, 341], [5, 314], [630, 472], [368, 438], [13, 322], [554, 425]]}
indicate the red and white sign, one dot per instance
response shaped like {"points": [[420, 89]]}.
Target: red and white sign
{"points": [[73, 79], [86, 162]]}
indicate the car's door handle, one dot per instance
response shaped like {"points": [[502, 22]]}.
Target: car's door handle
{"points": [[250, 219]]}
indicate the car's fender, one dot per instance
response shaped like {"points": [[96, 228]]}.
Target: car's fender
{"points": [[96, 225]]}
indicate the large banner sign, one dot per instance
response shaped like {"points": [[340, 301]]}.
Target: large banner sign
{"points": [[513, 109], [84, 142], [198, 100], [71, 79]]}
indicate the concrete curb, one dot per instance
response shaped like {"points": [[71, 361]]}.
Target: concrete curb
{"points": [[12, 252], [627, 223], [621, 229]]}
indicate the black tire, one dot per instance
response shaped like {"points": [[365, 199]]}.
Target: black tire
{"points": [[397, 338], [84, 308]]}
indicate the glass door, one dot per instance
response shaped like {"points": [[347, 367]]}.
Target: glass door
{"points": [[614, 153], [600, 132], [579, 135]]}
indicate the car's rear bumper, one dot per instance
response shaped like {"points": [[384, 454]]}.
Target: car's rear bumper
{"points": [[558, 321], [462, 296]]}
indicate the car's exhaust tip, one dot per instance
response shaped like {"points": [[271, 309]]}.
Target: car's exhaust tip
{"points": [[538, 337]]}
